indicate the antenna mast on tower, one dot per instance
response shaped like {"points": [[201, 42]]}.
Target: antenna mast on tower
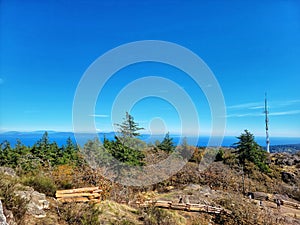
{"points": [[267, 123]]}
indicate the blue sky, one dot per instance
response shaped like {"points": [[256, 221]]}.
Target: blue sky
{"points": [[252, 47]]}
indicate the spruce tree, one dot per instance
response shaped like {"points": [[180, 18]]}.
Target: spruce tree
{"points": [[128, 130], [249, 150], [127, 147], [167, 144]]}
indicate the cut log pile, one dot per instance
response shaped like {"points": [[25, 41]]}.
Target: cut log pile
{"points": [[290, 204], [185, 207], [93, 194], [79, 195]]}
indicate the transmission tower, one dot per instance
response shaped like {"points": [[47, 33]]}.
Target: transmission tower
{"points": [[267, 123]]}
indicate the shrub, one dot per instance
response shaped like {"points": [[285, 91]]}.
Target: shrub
{"points": [[220, 155], [79, 214], [242, 212], [156, 216], [11, 201], [41, 184], [63, 176]]}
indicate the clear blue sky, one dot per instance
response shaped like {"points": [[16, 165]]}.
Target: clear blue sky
{"points": [[252, 47]]}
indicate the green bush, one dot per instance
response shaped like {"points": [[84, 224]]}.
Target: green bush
{"points": [[41, 184], [220, 155], [156, 216]]}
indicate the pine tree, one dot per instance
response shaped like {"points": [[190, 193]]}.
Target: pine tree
{"points": [[124, 153], [69, 152], [129, 128], [6, 154], [42, 147], [128, 133], [167, 144], [249, 150], [127, 147]]}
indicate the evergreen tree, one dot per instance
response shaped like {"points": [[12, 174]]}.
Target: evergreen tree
{"points": [[96, 155], [127, 147], [42, 147], [46, 151], [249, 150], [69, 153], [123, 153], [21, 149], [167, 144], [6, 154], [129, 131]]}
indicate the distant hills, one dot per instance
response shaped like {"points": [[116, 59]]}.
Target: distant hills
{"points": [[290, 148]]}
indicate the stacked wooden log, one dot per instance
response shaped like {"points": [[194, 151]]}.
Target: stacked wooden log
{"points": [[290, 204], [185, 207], [88, 194]]}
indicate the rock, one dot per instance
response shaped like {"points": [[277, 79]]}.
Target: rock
{"points": [[286, 159], [2, 216], [192, 187], [288, 177], [8, 171], [259, 195], [10, 217], [37, 203]]}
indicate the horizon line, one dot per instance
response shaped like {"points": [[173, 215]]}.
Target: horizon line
{"points": [[156, 134]]}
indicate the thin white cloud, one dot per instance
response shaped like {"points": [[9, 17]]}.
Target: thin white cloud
{"points": [[1, 81], [292, 112], [284, 113], [243, 115], [260, 105], [249, 105], [257, 107], [287, 103], [99, 115]]}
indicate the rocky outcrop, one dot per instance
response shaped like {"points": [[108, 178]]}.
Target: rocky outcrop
{"points": [[285, 159], [2, 216], [37, 202], [8, 171]]}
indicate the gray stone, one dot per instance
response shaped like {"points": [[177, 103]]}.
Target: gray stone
{"points": [[37, 202], [10, 217], [2, 216], [8, 171], [192, 187]]}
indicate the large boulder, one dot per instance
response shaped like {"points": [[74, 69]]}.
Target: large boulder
{"points": [[37, 202], [2, 216]]}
